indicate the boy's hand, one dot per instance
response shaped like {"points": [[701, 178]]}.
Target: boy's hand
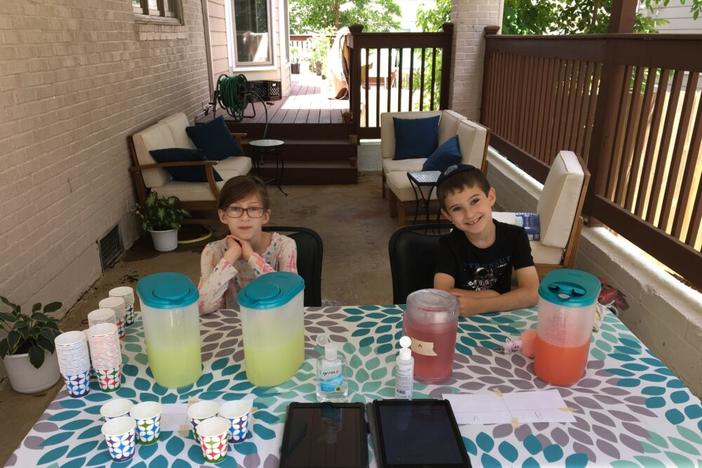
{"points": [[234, 249], [466, 304]]}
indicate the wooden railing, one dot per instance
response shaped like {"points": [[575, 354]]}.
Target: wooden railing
{"points": [[630, 106], [393, 72]]}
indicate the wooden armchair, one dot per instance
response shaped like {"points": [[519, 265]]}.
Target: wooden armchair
{"points": [[148, 175]]}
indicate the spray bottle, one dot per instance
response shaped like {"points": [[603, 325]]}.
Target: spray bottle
{"points": [[404, 370]]}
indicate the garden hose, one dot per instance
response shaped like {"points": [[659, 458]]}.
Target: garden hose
{"points": [[233, 94]]}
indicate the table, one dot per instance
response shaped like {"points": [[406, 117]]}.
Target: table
{"points": [[418, 180], [271, 147], [628, 407]]}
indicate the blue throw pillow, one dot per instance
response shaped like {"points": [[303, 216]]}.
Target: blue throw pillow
{"points": [[184, 174], [415, 138], [215, 140], [448, 154]]}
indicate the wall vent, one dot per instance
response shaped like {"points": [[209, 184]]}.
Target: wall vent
{"points": [[111, 248]]}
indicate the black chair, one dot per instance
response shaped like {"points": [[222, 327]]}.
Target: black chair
{"points": [[412, 251], [309, 259]]}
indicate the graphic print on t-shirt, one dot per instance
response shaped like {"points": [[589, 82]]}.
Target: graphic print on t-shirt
{"points": [[482, 276]]}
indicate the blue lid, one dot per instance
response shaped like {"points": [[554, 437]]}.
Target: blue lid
{"points": [[271, 290], [167, 290], [570, 288]]}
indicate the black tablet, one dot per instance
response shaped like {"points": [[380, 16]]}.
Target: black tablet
{"points": [[325, 435], [417, 433]]}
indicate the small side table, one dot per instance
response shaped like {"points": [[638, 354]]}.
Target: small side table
{"points": [[420, 180], [261, 148]]}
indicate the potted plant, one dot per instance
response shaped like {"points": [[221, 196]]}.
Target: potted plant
{"points": [[28, 349], [161, 217], [294, 61]]}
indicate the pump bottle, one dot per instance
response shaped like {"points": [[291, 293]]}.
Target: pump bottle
{"points": [[331, 381], [404, 370]]}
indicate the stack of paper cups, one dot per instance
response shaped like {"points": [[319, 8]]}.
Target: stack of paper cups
{"points": [[106, 354], [126, 293], [102, 316], [118, 305], [74, 362]]}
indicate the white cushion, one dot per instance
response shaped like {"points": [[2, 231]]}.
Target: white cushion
{"points": [[545, 254], [157, 136], [448, 124], [399, 184], [387, 129], [178, 123], [403, 165], [234, 166], [559, 199], [471, 141], [187, 191]]}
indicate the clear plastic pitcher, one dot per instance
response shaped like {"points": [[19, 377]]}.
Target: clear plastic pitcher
{"points": [[431, 319], [171, 328], [566, 315], [272, 318]]}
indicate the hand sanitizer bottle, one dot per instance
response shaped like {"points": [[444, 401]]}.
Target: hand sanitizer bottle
{"points": [[332, 384], [404, 370]]}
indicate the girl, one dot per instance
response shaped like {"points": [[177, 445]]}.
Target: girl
{"points": [[229, 264]]}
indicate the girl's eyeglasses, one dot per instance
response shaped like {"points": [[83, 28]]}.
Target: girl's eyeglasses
{"points": [[238, 212]]}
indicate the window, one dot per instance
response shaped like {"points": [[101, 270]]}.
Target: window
{"points": [[159, 9], [252, 33]]}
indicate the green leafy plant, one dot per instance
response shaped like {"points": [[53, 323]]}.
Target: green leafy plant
{"points": [[29, 333], [160, 213]]}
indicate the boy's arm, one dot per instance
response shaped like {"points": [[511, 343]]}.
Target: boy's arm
{"points": [[524, 295]]}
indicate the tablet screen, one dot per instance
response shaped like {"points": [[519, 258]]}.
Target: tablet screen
{"points": [[419, 434], [325, 436]]}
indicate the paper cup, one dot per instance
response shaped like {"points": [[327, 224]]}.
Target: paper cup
{"points": [[238, 413], [126, 293], [77, 385], [120, 434], [198, 412], [118, 305], [116, 408], [72, 353], [148, 421], [105, 349], [214, 438], [101, 316], [109, 378]]}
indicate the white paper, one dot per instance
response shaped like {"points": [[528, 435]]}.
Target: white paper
{"points": [[173, 416], [510, 408]]}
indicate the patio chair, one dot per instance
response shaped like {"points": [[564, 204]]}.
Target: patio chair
{"points": [[309, 260], [412, 251], [559, 207]]}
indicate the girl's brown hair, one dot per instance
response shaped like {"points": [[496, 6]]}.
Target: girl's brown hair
{"points": [[240, 187]]}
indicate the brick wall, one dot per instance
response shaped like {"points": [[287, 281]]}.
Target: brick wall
{"points": [[77, 77], [469, 18]]}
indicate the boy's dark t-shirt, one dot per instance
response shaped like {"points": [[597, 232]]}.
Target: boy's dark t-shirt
{"points": [[478, 269]]}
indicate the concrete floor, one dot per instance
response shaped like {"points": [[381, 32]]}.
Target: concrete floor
{"points": [[355, 226]]}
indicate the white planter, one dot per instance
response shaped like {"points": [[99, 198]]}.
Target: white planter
{"points": [[165, 241], [25, 378]]}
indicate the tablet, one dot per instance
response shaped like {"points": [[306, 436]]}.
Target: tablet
{"points": [[325, 435], [417, 433]]}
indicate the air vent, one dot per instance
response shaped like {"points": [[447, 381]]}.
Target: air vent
{"points": [[111, 248]]}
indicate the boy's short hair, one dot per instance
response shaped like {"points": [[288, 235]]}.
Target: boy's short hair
{"points": [[455, 178], [240, 187]]}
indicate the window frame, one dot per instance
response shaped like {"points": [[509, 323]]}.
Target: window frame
{"points": [[234, 63], [167, 12]]}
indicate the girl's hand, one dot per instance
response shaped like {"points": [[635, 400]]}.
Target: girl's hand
{"points": [[234, 249], [246, 249]]}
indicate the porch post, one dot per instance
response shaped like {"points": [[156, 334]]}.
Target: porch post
{"points": [[487, 70], [608, 103], [446, 68], [355, 85]]}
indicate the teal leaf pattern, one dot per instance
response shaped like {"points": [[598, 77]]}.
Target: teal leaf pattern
{"points": [[630, 410]]}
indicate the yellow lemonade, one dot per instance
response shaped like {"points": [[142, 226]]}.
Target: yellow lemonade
{"points": [[274, 363], [175, 365]]}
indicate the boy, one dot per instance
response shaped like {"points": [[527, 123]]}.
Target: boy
{"points": [[476, 259]]}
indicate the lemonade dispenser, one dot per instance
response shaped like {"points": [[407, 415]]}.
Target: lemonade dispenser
{"points": [[273, 327], [567, 302], [430, 320], [169, 311]]}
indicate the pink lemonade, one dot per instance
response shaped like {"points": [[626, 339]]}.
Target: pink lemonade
{"points": [[433, 346]]}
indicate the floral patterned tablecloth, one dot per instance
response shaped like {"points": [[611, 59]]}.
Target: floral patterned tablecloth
{"points": [[630, 409]]}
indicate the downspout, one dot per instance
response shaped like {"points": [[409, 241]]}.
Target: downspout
{"points": [[208, 48]]}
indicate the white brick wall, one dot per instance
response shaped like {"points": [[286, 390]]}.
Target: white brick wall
{"points": [[76, 78], [469, 18]]}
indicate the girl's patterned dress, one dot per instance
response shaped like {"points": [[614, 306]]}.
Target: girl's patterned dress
{"points": [[220, 281]]}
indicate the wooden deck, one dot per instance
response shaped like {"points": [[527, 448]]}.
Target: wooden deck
{"points": [[308, 102]]}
